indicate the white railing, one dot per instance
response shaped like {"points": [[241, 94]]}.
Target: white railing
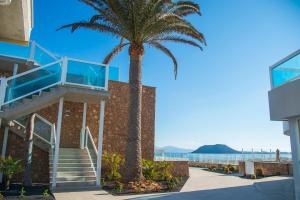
{"points": [[91, 151], [63, 69], [52, 128]]}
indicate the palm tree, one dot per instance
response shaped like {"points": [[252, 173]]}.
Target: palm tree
{"points": [[136, 23]]}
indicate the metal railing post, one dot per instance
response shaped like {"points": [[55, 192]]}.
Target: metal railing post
{"points": [[2, 91], [64, 70], [106, 76], [32, 51]]}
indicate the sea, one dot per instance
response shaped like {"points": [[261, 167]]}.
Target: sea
{"points": [[221, 158]]}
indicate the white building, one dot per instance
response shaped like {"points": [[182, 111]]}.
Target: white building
{"points": [[284, 103]]}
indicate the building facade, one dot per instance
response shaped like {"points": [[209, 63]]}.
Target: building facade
{"points": [[81, 111], [284, 98]]}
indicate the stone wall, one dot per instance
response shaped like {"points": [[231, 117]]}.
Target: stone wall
{"points": [[180, 168], [116, 120], [40, 158], [269, 168], [207, 165]]}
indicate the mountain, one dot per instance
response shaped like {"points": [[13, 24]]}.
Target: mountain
{"points": [[217, 148], [172, 149]]}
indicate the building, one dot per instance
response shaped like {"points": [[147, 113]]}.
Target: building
{"points": [[81, 110], [16, 21], [284, 98]]}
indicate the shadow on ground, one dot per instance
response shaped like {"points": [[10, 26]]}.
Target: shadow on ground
{"points": [[271, 190]]}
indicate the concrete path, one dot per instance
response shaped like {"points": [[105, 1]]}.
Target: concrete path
{"points": [[203, 185]]}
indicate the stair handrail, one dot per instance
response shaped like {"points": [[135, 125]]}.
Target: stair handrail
{"points": [[53, 131], [89, 136]]}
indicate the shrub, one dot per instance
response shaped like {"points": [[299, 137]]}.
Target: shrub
{"points": [[9, 167], [113, 162], [46, 194], [164, 170], [252, 176], [226, 170], [1, 196], [172, 183], [119, 187], [22, 192], [150, 171]]}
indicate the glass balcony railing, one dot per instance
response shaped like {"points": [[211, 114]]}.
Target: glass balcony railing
{"points": [[285, 71], [86, 73], [32, 52], [52, 71], [32, 81]]}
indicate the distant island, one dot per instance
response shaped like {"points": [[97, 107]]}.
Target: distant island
{"points": [[172, 149], [216, 149]]}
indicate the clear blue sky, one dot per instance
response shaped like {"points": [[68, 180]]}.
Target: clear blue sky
{"points": [[221, 93]]}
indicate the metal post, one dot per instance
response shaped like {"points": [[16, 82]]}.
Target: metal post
{"points": [[82, 134], [295, 146], [58, 132], [32, 51], [64, 70], [2, 90], [106, 76], [100, 140]]}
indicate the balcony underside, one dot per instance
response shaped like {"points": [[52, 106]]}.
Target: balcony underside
{"points": [[16, 21], [284, 101], [70, 93]]}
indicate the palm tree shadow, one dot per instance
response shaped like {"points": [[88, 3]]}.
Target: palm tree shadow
{"points": [[271, 190]]}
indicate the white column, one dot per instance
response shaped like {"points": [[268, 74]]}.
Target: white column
{"points": [[82, 134], [295, 146], [15, 71], [100, 140], [58, 133], [4, 145]]}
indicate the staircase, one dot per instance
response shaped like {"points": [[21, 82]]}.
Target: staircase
{"points": [[75, 169]]}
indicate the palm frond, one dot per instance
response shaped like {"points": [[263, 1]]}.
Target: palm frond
{"points": [[168, 53], [114, 52]]}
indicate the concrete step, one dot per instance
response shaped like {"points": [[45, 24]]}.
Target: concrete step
{"points": [[74, 173], [63, 157], [61, 161], [75, 178], [73, 169], [83, 165], [74, 185]]}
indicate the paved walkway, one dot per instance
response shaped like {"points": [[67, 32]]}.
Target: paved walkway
{"points": [[203, 185]]}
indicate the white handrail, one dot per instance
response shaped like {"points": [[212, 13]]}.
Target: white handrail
{"points": [[33, 132], [91, 138], [33, 70]]}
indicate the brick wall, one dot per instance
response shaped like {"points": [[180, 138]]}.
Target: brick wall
{"points": [[116, 120], [40, 158], [269, 168]]}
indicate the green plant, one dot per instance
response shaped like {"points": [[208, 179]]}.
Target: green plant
{"points": [[46, 194], [22, 192], [172, 183], [164, 170], [9, 167], [226, 169], [150, 171], [119, 187], [1, 196], [252, 176], [113, 163], [138, 23]]}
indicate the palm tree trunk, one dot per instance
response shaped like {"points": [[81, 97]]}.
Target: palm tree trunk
{"points": [[133, 156], [27, 180]]}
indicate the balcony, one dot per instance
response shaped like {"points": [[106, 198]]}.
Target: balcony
{"points": [[285, 70], [284, 96], [49, 70]]}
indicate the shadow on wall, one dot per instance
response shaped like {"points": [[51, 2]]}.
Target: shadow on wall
{"points": [[272, 190]]}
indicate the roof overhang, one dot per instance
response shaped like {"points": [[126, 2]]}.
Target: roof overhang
{"points": [[16, 21]]}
